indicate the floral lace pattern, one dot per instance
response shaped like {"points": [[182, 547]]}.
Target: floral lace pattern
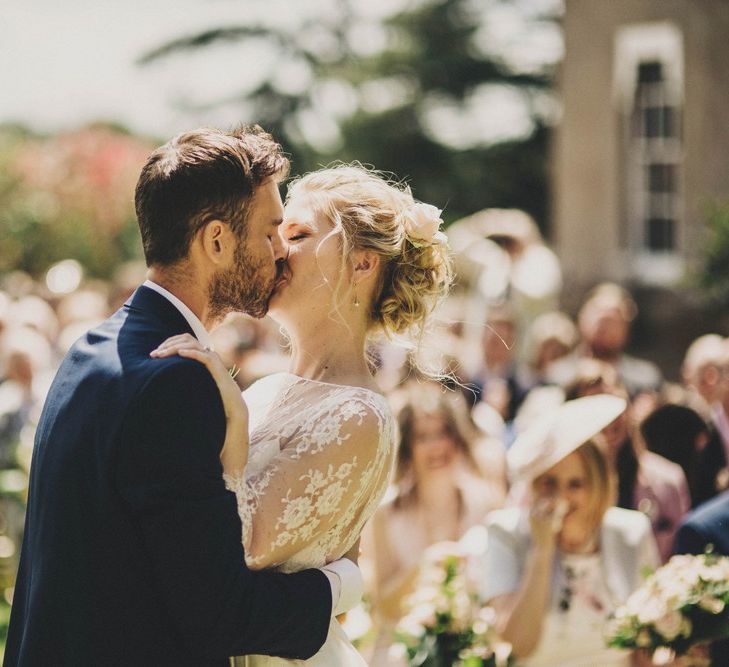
{"points": [[319, 464]]}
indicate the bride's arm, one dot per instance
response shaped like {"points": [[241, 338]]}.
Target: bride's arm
{"points": [[234, 454], [327, 474]]}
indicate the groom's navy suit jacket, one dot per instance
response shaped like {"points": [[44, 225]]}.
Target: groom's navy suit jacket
{"points": [[132, 551]]}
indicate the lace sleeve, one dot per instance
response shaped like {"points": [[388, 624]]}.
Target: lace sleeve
{"points": [[317, 489]]}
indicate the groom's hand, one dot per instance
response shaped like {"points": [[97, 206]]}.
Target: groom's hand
{"points": [[353, 553]]}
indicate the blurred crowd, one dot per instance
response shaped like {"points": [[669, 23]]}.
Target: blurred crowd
{"points": [[504, 356]]}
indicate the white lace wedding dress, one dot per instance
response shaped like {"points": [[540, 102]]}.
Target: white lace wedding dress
{"points": [[319, 462]]}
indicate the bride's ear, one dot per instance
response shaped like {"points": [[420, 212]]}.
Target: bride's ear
{"points": [[365, 263]]}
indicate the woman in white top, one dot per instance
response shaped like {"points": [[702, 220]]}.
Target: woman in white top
{"points": [[364, 257], [554, 572], [439, 492]]}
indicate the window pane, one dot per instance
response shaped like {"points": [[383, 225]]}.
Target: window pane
{"points": [[670, 121], [650, 72], [662, 177], [659, 234], [660, 122]]}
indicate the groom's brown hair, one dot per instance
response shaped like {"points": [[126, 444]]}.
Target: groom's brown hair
{"points": [[197, 177]]}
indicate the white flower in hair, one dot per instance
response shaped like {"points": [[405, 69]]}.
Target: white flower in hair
{"points": [[422, 225]]}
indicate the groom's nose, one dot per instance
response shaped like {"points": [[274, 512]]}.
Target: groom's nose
{"points": [[280, 248]]}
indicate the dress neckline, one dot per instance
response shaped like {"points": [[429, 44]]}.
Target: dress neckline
{"points": [[331, 384]]}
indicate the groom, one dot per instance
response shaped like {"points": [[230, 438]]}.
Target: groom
{"points": [[132, 552]]}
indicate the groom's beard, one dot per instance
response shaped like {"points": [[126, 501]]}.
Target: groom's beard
{"points": [[246, 287]]}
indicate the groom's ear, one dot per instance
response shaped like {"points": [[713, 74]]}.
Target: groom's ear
{"points": [[216, 239], [365, 263]]}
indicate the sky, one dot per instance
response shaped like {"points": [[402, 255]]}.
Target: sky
{"points": [[73, 62]]}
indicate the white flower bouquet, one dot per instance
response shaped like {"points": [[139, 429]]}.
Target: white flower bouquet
{"points": [[445, 626], [683, 603]]}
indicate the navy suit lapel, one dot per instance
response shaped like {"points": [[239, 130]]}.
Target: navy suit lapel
{"points": [[152, 304]]}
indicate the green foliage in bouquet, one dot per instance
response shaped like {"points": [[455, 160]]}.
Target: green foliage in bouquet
{"points": [[681, 604], [445, 627]]}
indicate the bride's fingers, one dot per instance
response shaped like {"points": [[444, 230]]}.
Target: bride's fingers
{"points": [[211, 360], [192, 349], [167, 351], [178, 340], [172, 349], [203, 356]]}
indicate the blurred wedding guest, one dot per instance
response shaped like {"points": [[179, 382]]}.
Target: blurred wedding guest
{"points": [[392, 362], [701, 372], [78, 312], [26, 365], [604, 324], [18, 284], [555, 570], [501, 253], [437, 495], [71, 333], [4, 307], [83, 305], [713, 476], [645, 481], [240, 342], [127, 278], [551, 336], [498, 382], [679, 434], [34, 313]]}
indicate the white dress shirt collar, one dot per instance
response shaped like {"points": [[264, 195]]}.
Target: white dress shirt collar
{"points": [[201, 333]]}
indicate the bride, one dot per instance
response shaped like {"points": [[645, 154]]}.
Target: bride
{"points": [[364, 257]]}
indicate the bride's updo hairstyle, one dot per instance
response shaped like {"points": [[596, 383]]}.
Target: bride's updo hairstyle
{"points": [[368, 211]]}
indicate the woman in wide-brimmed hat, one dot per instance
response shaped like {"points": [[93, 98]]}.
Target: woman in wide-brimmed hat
{"points": [[555, 571]]}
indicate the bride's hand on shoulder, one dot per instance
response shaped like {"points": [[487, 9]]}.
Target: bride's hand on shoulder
{"points": [[190, 347], [235, 449]]}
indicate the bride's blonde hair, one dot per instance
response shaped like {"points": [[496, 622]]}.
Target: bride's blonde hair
{"points": [[369, 211]]}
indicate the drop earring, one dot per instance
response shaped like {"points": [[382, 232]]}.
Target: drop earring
{"points": [[356, 298]]}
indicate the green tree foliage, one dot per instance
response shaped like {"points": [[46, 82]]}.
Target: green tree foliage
{"points": [[372, 102], [714, 278]]}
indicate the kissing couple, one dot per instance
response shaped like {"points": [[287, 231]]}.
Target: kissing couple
{"points": [[172, 521]]}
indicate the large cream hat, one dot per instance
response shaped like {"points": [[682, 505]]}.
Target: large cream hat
{"points": [[559, 432]]}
